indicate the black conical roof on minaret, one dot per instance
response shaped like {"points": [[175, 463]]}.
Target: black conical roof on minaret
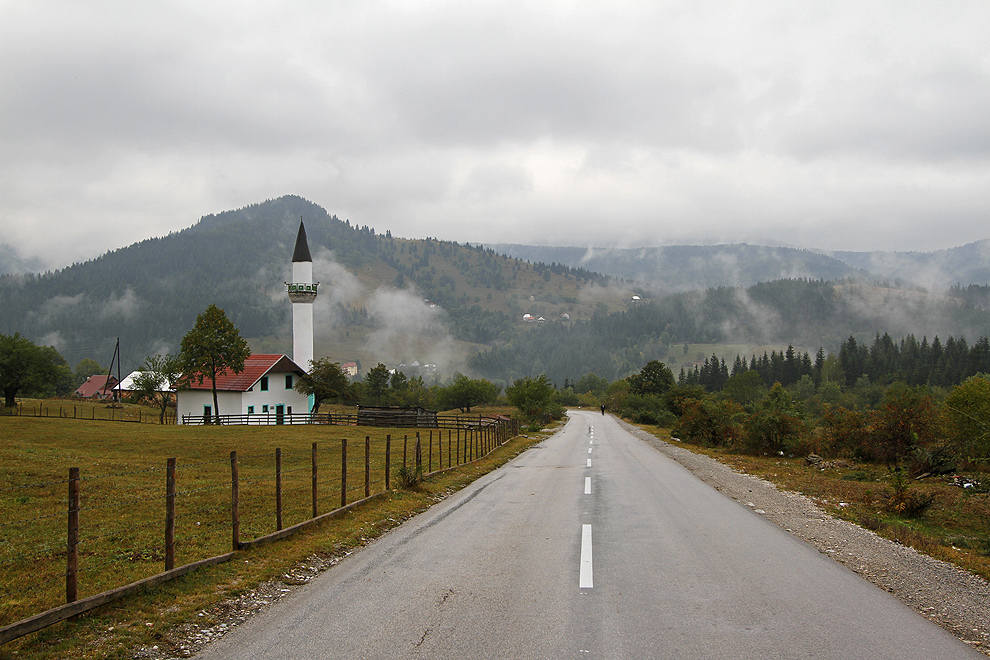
{"points": [[301, 253]]}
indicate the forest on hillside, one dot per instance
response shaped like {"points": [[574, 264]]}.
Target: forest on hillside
{"points": [[811, 313], [150, 293]]}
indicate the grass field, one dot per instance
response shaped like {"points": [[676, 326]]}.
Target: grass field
{"points": [[122, 509]]}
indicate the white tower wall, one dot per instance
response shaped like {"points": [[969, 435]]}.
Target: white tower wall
{"points": [[302, 334], [302, 317]]}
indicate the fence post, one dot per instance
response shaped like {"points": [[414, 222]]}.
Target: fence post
{"points": [[343, 472], [388, 462], [419, 455], [278, 489], [448, 447], [367, 466], [72, 542], [170, 514], [405, 445], [429, 464], [314, 480], [235, 497]]}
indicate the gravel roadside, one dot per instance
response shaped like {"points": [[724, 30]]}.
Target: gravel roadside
{"points": [[954, 599]]}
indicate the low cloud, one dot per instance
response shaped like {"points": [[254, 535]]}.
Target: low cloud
{"points": [[410, 329]]}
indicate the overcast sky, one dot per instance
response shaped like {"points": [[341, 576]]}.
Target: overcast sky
{"points": [[859, 126]]}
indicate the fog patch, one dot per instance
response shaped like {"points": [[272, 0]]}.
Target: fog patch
{"points": [[56, 307], [53, 339], [126, 306], [408, 329], [339, 290]]}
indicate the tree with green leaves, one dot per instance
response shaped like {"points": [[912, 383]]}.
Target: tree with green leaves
{"points": [[376, 381], [86, 368], [158, 376], [25, 366], [654, 378], [533, 397], [591, 384], [968, 410], [211, 347], [325, 381], [463, 392], [775, 425]]}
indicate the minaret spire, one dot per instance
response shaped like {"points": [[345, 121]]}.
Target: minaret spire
{"points": [[301, 253]]}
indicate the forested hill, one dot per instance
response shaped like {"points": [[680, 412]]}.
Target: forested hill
{"points": [[808, 313], [678, 268], [691, 267], [939, 269], [148, 294]]}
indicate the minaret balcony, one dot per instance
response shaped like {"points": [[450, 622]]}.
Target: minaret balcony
{"points": [[302, 292]]}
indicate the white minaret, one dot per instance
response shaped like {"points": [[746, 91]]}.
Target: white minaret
{"points": [[302, 293]]}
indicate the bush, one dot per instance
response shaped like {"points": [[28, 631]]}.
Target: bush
{"points": [[409, 476], [648, 409], [904, 502], [775, 426], [709, 422], [662, 418]]}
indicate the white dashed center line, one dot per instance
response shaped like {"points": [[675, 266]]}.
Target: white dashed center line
{"points": [[587, 577]]}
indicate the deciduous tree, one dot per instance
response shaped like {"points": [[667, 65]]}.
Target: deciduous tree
{"points": [[532, 396], [159, 374], [654, 378], [25, 366], [463, 392], [324, 382], [212, 346]]}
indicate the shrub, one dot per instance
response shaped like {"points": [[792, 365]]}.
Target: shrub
{"points": [[902, 501], [409, 476], [775, 426], [709, 421], [907, 419]]}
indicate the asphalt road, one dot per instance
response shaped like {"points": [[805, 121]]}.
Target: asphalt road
{"points": [[590, 545]]}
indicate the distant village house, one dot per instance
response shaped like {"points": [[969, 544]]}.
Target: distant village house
{"points": [[97, 386]]}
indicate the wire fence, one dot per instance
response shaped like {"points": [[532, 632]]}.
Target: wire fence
{"points": [[108, 411], [95, 535]]}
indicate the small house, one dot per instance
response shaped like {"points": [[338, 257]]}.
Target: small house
{"points": [[265, 387], [128, 385], [97, 386]]}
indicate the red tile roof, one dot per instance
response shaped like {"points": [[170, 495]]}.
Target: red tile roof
{"points": [[255, 367], [94, 385]]}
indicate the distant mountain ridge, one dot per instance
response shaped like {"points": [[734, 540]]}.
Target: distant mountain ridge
{"points": [[940, 269], [678, 268]]}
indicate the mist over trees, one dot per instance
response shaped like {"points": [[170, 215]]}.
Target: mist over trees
{"points": [[797, 312], [150, 293]]}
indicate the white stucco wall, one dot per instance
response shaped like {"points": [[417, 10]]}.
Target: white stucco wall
{"points": [[277, 394], [191, 402]]}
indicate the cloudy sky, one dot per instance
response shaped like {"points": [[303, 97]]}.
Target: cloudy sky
{"points": [[836, 125]]}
